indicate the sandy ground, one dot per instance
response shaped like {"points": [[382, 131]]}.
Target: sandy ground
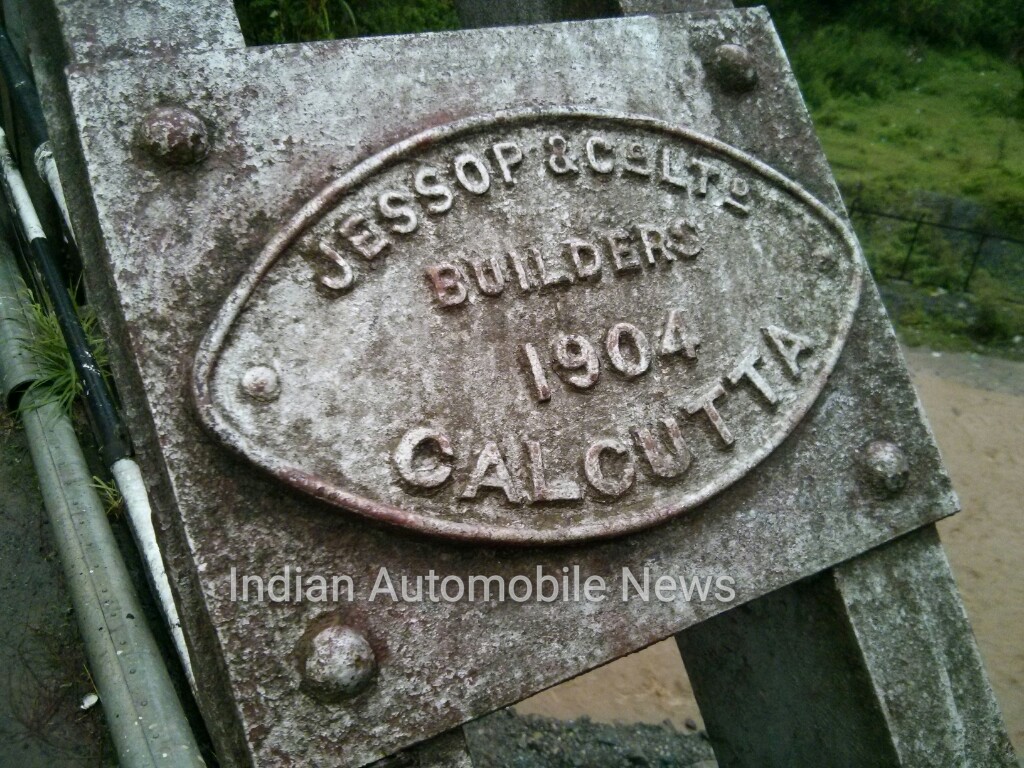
{"points": [[976, 408]]}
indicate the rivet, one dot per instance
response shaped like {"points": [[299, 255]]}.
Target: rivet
{"points": [[174, 136], [338, 663], [733, 68], [261, 383], [886, 465]]}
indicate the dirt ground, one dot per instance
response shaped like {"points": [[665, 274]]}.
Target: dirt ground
{"points": [[976, 408]]}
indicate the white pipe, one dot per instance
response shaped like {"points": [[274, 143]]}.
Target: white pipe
{"points": [[46, 167], [126, 471], [15, 186], [148, 725], [140, 515]]}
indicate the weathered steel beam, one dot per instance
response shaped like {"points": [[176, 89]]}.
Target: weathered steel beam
{"points": [[98, 30], [807, 510], [58, 40], [870, 663], [448, 750]]}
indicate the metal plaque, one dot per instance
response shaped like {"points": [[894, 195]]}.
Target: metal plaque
{"points": [[506, 285], [534, 326]]}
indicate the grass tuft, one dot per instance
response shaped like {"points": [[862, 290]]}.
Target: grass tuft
{"points": [[110, 495], [58, 381]]}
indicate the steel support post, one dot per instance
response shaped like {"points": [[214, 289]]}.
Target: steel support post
{"points": [[870, 663]]}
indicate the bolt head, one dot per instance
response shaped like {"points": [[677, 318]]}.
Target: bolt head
{"points": [[261, 383], [338, 662], [733, 68], [174, 135], [886, 465]]}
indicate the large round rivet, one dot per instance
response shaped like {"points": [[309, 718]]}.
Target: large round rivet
{"points": [[338, 663], [174, 136], [886, 465], [733, 68], [261, 383]]}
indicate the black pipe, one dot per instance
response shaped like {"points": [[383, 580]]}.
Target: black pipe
{"points": [[23, 91], [99, 403]]}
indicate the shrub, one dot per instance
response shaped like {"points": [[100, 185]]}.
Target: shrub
{"points": [[994, 24], [837, 60]]}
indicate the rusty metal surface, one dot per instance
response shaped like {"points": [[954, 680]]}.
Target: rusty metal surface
{"points": [[449, 750], [97, 30], [283, 124], [448, 336]]}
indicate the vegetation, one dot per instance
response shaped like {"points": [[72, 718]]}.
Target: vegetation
{"points": [[995, 25], [7, 423], [899, 115], [58, 381], [110, 496], [285, 21]]}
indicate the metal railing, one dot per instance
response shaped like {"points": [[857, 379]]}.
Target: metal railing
{"points": [[982, 238]]}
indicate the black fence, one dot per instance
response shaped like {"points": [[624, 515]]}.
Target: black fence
{"points": [[983, 241]]}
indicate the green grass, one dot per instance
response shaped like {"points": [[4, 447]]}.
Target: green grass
{"points": [[287, 21], [956, 131], [979, 322], [910, 129], [110, 495], [58, 381]]}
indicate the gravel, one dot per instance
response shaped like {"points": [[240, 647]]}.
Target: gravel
{"points": [[508, 740]]}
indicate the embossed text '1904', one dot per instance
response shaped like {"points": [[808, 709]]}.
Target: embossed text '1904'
{"points": [[494, 328]]}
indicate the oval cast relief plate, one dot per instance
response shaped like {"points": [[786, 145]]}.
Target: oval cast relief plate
{"points": [[539, 326]]}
